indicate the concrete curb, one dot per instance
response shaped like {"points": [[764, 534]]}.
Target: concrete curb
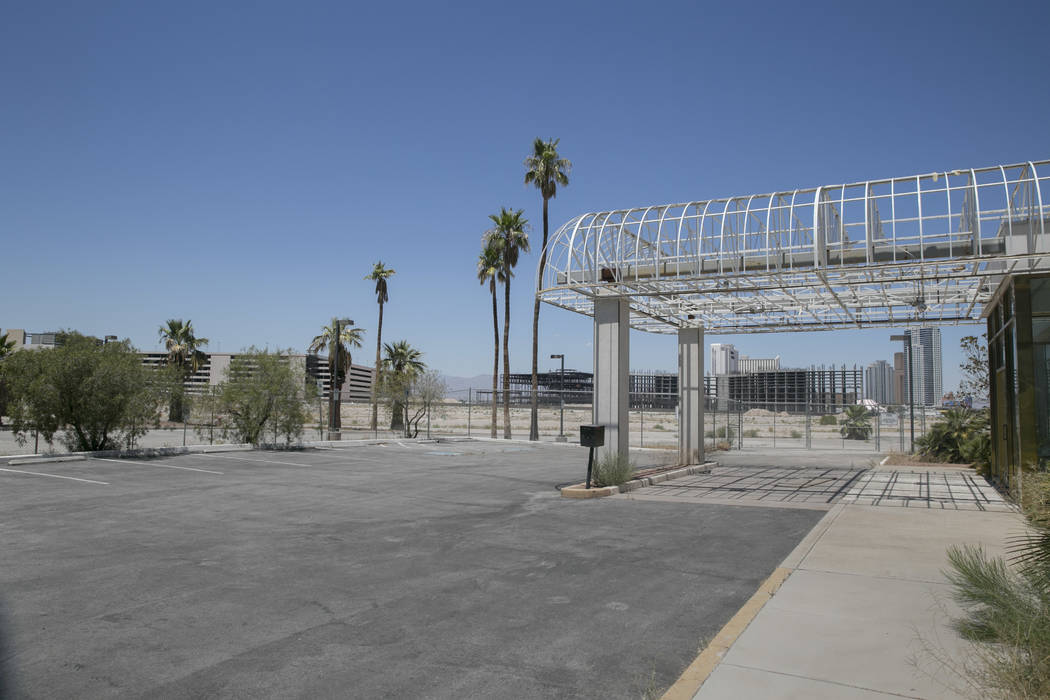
{"points": [[45, 460], [697, 672], [580, 490], [204, 449], [129, 454], [694, 676]]}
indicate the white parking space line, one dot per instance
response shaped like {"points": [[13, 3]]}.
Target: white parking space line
{"points": [[268, 461], [294, 464], [159, 466], [56, 476]]}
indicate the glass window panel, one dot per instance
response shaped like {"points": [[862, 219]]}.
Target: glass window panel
{"points": [[1041, 295]]}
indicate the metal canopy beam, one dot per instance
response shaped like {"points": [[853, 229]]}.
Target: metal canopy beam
{"points": [[923, 249]]}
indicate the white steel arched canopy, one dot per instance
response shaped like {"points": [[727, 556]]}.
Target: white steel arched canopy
{"points": [[925, 249]]}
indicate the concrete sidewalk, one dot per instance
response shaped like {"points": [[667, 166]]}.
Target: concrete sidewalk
{"points": [[863, 606]]}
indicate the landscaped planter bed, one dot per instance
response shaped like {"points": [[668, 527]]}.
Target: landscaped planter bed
{"points": [[645, 477]]}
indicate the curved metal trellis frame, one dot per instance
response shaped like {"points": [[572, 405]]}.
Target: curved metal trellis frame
{"points": [[924, 249]]}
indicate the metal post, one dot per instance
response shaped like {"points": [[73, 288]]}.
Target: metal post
{"points": [[774, 426], [641, 418], [911, 395], [36, 441], [184, 424], [878, 429], [561, 394], [590, 464], [470, 396], [332, 418], [739, 427]]}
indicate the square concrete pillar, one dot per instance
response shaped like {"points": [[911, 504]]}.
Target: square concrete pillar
{"points": [[612, 371], [691, 396]]}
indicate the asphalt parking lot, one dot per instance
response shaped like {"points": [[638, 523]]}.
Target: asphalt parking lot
{"points": [[448, 570]]}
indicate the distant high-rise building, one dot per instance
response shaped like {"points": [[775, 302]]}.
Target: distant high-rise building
{"points": [[747, 365], [900, 379], [926, 385], [724, 359], [878, 382]]}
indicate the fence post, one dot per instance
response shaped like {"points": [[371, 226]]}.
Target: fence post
{"points": [[774, 426], [740, 427], [809, 434], [470, 392], [878, 430], [641, 430]]}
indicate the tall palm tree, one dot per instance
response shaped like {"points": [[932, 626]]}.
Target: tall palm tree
{"points": [[402, 363], [545, 169], [379, 275], [338, 351], [184, 352], [490, 269], [509, 232]]}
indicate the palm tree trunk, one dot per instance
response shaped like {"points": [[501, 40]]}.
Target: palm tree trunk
{"points": [[375, 373], [534, 423], [495, 352], [506, 360], [334, 421]]}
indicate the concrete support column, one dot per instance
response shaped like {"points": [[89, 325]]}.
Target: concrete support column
{"points": [[612, 371], [691, 395]]}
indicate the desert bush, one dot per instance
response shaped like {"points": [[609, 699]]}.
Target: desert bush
{"points": [[721, 432], [795, 434], [751, 433], [658, 426], [829, 420], [1007, 605], [612, 469]]}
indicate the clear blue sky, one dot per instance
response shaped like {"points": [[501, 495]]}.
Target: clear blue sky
{"points": [[243, 164]]}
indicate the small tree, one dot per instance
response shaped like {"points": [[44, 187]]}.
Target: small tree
{"points": [[974, 368], [426, 391], [263, 394], [96, 397]]}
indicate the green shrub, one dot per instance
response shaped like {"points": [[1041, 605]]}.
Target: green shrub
{"points": [[795, 434], [1007, 606], [955, 437], [612, 469], [751, 433], [829, 420], [721, 432], [659, 426], [978, 451]]}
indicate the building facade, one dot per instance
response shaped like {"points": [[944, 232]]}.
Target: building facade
{"points": [[747, 365], [878, 382], [724, 359], [925, 366]]}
